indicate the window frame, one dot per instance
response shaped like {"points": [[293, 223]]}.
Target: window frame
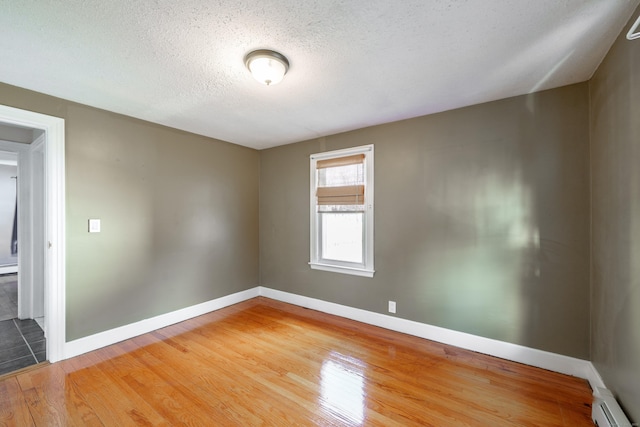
{"points": [[366, 268]]}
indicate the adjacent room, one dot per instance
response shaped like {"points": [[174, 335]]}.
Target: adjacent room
{"points": [[417, 213]]}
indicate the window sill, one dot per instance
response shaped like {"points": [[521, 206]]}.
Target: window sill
{"points": [[344, 270]]}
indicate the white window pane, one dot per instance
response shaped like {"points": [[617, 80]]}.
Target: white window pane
{"points": [[341, 175], [342, 236]]}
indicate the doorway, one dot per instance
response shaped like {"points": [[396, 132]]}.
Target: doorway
{"points": [[22, 320], [8, 214], [40, 219], [8, 235]]}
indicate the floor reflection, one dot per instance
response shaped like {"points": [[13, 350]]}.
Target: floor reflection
{"points": [[342, 388]]}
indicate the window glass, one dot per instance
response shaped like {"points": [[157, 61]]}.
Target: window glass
{"points": [[342, 236]]}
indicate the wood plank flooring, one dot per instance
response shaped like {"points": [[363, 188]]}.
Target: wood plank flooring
{"points": [[263, 362]]}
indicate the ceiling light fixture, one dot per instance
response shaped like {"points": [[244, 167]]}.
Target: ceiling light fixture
{"points": [[267, 66]]}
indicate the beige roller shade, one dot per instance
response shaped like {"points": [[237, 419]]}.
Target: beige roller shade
{"points": [[340, 161], [347, 195]]}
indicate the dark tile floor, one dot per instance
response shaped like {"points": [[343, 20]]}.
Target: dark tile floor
{"points": [[22, 344]]}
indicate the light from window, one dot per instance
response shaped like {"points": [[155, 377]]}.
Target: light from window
{"points": [[341, 235], [342, 389]]}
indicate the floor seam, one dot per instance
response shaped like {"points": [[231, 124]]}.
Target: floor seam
{"points": [[25, 341]]}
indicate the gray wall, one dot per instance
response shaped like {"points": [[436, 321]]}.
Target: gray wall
{"points": [[481, 220], [179, 215], [7, 207], [615, 148]]}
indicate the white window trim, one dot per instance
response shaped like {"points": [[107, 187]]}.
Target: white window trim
{"points": [[367, 270]]}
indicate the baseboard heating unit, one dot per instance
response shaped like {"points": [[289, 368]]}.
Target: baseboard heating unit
{"points": [[606, 412]]}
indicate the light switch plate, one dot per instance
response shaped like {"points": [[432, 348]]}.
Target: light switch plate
{"points": [[94, 226]]}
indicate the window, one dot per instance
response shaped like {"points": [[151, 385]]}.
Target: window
{"points": [[342, 211]]}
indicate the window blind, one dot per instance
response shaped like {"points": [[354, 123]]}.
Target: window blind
{"points": [[340, 161], [347, 195], [346, 185]]}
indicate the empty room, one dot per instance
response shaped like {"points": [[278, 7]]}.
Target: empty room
{"points": [[337, 213]]}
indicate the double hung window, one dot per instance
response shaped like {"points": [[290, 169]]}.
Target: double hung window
{"points": [[342, 211]]}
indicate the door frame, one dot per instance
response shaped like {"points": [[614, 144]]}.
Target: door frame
{"points": [[25, 267], [54, 274]]}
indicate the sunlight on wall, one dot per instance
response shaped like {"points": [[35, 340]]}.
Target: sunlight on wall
{"points": [[494, 267], [483, 249]]}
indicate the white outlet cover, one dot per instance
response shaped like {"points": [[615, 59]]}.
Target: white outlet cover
{"points": [[94, 226], [392, 306]]}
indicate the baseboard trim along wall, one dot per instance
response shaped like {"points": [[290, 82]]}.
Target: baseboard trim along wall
{"points": [[529, 356], [9, 269], [516, 353], [112, 336]]}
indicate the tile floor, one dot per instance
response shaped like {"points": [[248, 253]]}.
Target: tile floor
{"points": [[22, 342]]}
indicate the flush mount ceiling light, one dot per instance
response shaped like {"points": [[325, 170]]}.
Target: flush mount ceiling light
{"points": [[267, 66]]}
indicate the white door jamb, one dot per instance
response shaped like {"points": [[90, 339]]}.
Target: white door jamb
{"points": [[55, 221]]}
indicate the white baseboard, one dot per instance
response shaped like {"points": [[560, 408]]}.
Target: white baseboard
{"points": [[517, 353], [9, 269], [112, 336], [595, 380], [529, 356]]}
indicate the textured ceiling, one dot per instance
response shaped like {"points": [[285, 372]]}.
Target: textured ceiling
{"points": [[353, 63]]}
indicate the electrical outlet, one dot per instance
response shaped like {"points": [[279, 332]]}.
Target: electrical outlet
{"points": [[392, 306]]}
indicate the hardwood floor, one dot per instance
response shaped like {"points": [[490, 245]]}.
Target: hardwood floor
{"points": [[263, 362]]}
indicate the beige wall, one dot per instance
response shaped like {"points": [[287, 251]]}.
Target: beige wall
{"points": [[615, 147], [179, 215], [481, 220]]}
